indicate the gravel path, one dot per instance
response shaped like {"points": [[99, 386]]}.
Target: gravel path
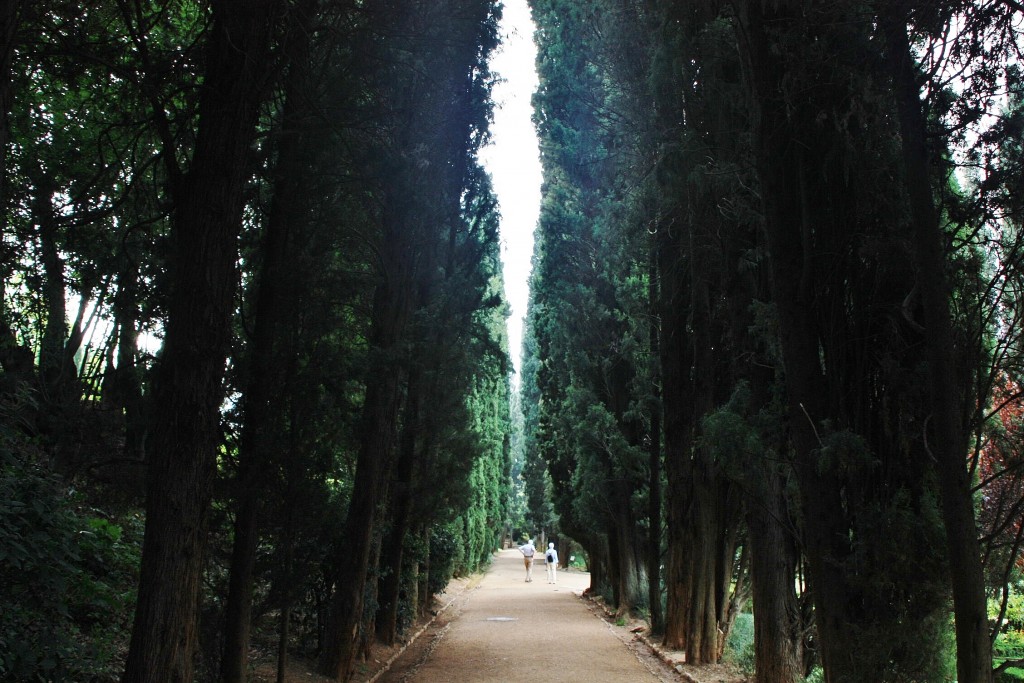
{"points": [[505, 629]]}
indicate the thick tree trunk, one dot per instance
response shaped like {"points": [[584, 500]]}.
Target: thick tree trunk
{"points": [[187, 388], [705, 575], [699, 520], [778, 643], [946, 438], [368, 625], [624, 555], [678, 505], [675, 363], [673, 346], [700, 541], [284, 583]]}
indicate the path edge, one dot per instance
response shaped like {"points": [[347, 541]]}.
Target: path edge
{"points": [[473, 582]]}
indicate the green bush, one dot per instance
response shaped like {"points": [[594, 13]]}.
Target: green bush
{"points": [[446, 551], [1009, 645], [68, 578], [817, 676], [739, 648], [1009, 675]]}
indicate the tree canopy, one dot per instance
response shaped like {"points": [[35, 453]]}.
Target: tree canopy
{"points": [[808, 203], [254, 312], [255, 384]]}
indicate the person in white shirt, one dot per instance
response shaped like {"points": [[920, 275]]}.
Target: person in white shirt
{"points": [[551, 561], [528, 551]]}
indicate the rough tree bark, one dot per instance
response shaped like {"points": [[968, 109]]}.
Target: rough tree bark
{"points": [[675, 349], [187, 387], [778, 643]]}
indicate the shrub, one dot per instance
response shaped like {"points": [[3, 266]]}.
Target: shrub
{"points": [[739, 648], [446, 550], [1009, 645], [68, 578]]}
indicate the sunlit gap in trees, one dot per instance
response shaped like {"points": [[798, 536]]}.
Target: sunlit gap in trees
{"points": [[513, 161]]}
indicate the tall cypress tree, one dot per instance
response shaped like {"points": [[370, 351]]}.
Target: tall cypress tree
{"points": [[424, 129], [188, 392]]}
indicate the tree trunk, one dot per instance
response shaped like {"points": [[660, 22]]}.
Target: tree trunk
{"points": [[675, 364], [294, 474], [10, 19], [187, 388], [699, 538], [654, 446], [234, 663], [57, 370], [261, 431], [624, 545], [401, 517], [777, 625], [126, 383], [368, 621], [705, 541], [391, 309], [948, 440], [731, 591], [654, 524], [423, 587], [285, 620], [780, 173]]}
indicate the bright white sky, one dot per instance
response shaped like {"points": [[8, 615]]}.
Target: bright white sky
{"points": [[513, 161]]}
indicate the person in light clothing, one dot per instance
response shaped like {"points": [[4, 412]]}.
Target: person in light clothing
{"points": [[528, 551], [551, 561]]}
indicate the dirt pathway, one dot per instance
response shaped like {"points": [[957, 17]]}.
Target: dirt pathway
{"points": [[505, 629]]}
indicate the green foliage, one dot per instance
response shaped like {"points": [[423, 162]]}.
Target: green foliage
{"points": [[845, 453], [1009, 642], [898, 566], [739, 648], [729, 437], [68, 580], [1009, 645], [446, 551]]}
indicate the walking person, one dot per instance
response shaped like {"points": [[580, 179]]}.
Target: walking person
{"points": [[551, 561], [528, 551]]}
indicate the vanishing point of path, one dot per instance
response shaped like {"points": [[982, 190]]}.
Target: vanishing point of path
{"points": [[506, 630]]}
